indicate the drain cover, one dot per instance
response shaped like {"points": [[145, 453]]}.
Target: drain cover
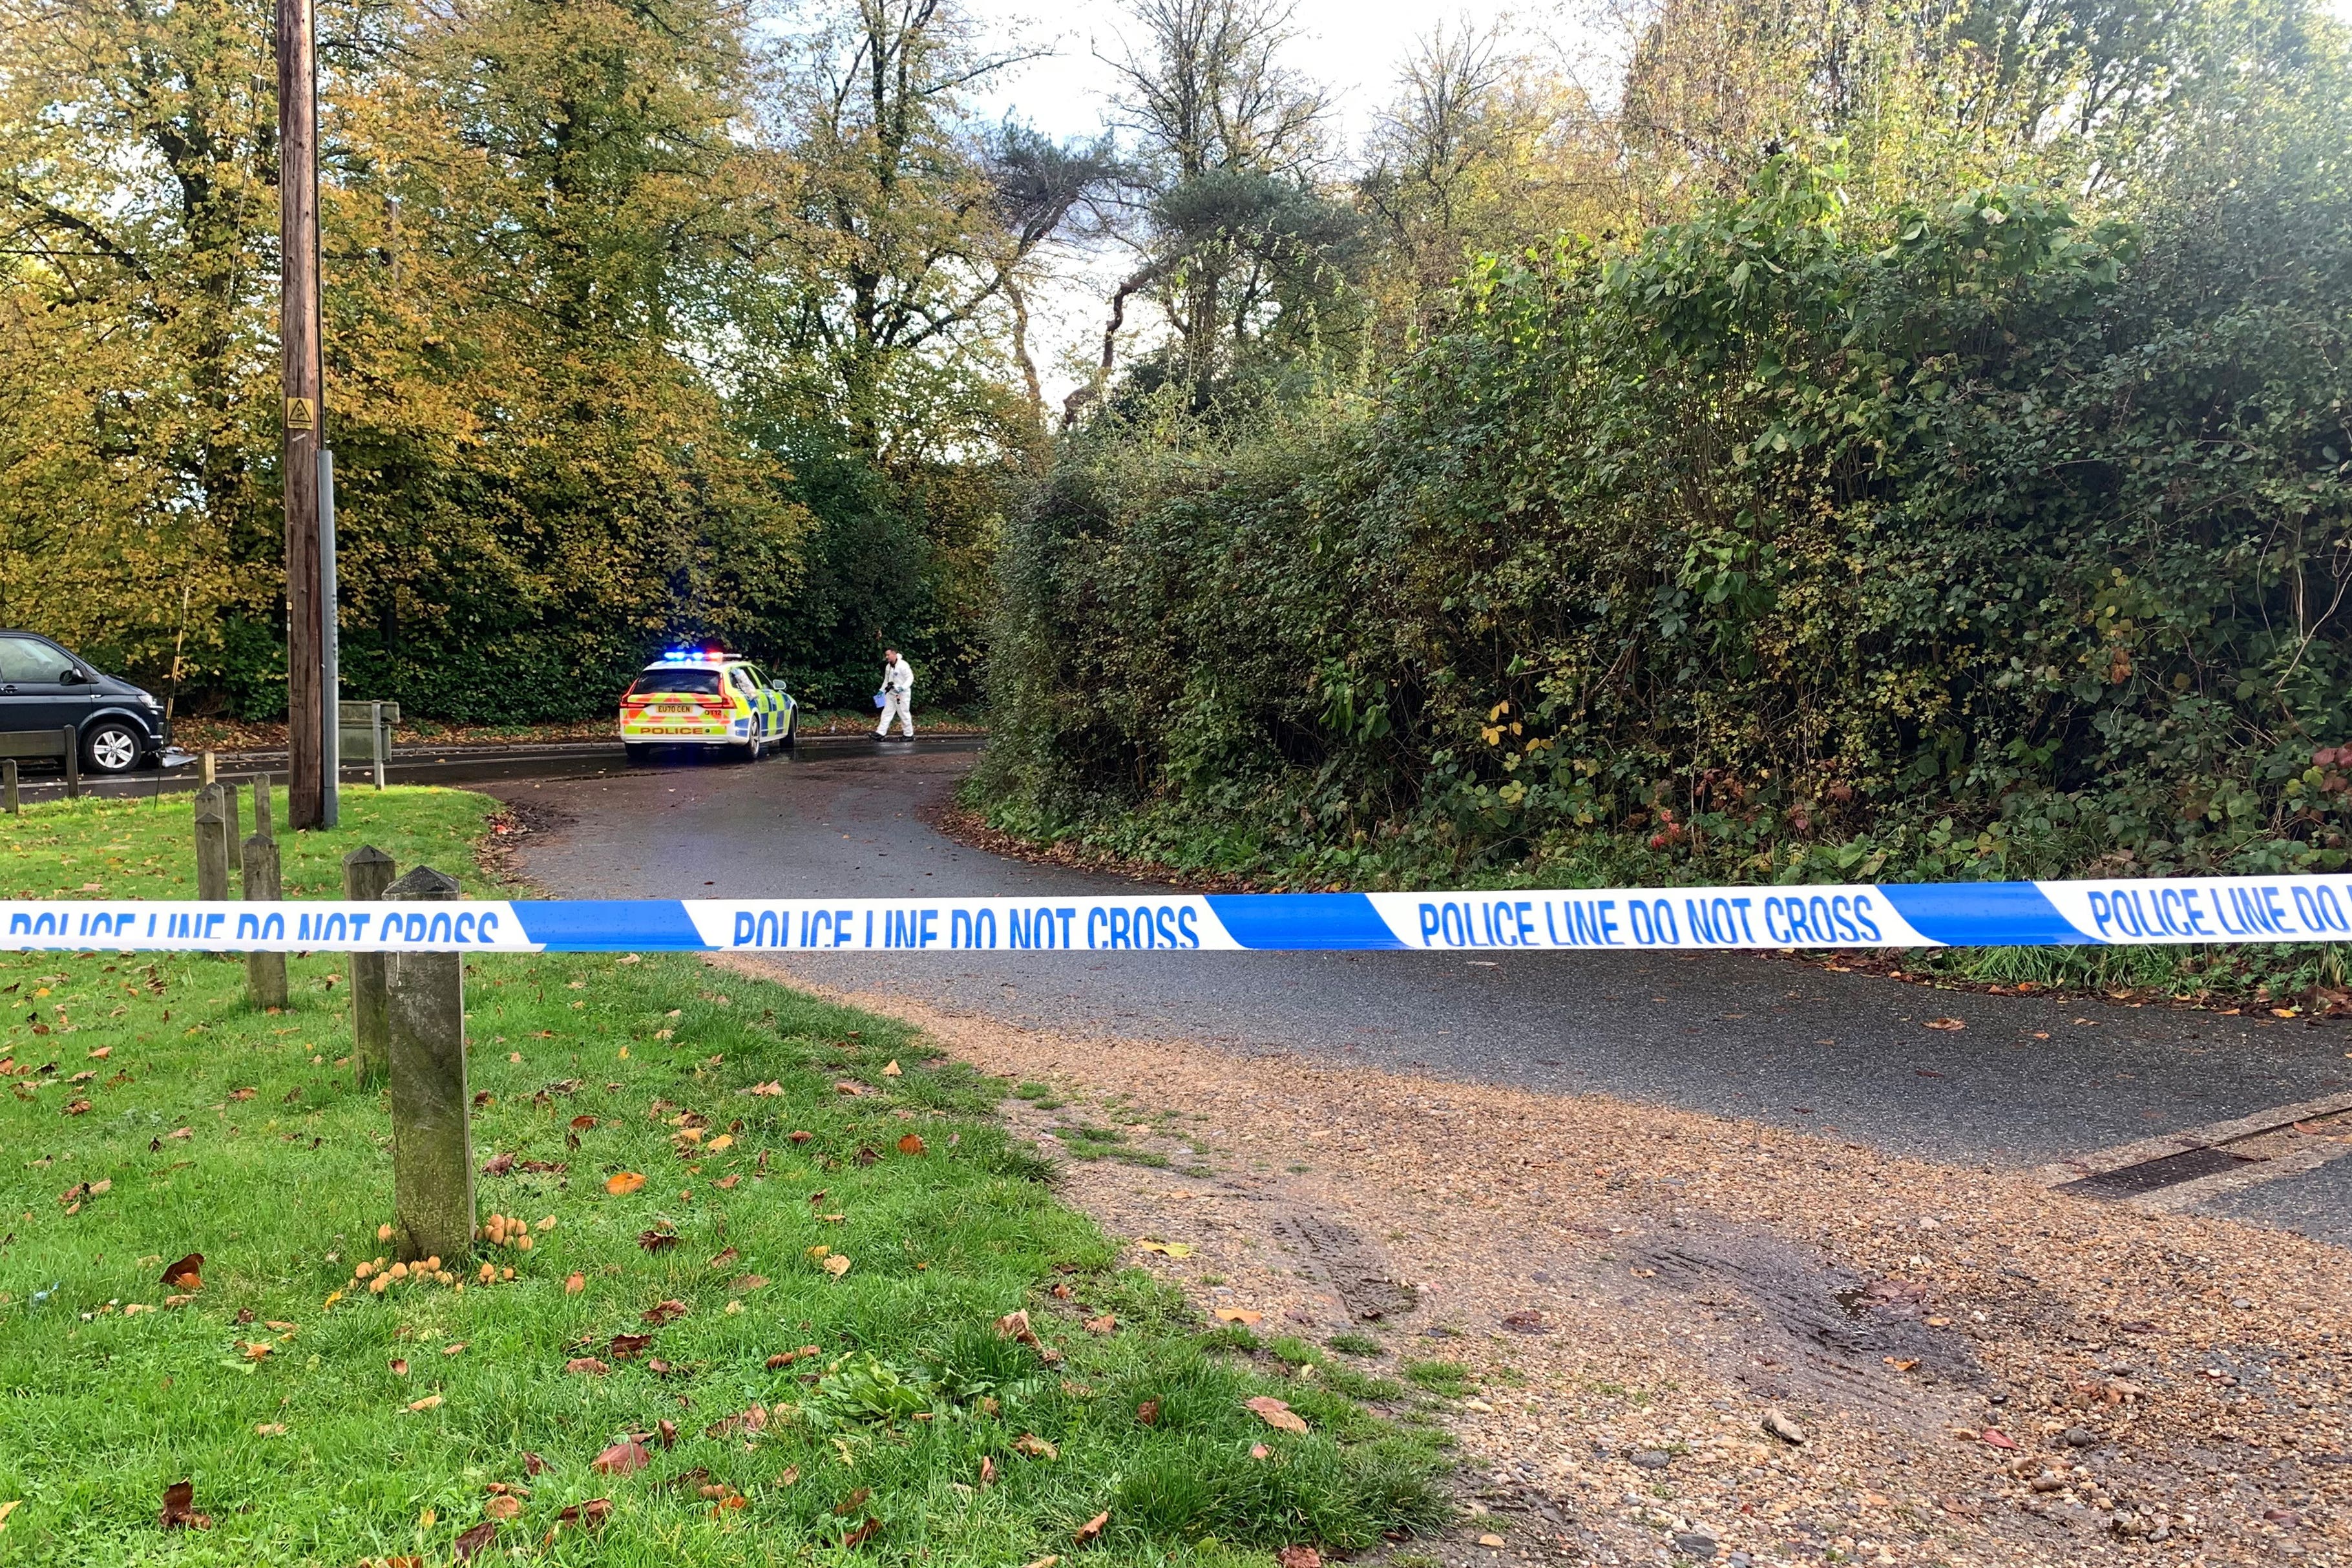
{"points": [[2127, 1181]]}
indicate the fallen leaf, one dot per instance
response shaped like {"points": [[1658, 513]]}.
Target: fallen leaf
{"points": [[1166, 1248], [624, 1458], [1947, 1025], [586, 1366], [457, 1349], [474, 1540], [1997, 1439], [180, 1508], [862, 1534], [1014, 1325], [1939, 1322], [399, 1367], [790, 1476], [625, 1346], [987, 1472], [1148, 1413], [836, 1265], [430, 1402], [503, 1507], [748, 1283], [497, 1164], [8, 1507], [532, 1464], [1092, 1528], [187, 1273], [620, 1184], [725, 1258], [592, 1514], [852, 1502], [1298, 1557], [890, 1068], [661, 1312], [269, 1429], [665, 1432], [768, 1090], [1490, 1539], [1899, 1366], [1237, 1315], [752, 1418], [1103, 1324], [912, 1144], [1045, 1561], [101, 1053], [1035, 1446], [1276, 1413], [1260, 1451], [845, 1087], [657, 1240]]}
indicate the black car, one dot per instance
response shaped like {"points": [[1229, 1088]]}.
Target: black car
{"points": [[42, 686]]}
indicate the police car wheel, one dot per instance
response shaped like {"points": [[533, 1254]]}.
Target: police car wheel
{"points": [[637, 752], [792, 732], [747, 752]]}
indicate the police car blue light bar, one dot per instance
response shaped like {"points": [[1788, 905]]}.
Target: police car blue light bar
{"points": [[1884, 914]]}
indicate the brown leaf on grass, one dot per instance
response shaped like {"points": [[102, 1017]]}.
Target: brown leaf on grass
{"points": [[782, 1358], [590, 1514], [661, 1312], [727, 1183], [503, 1507], [180, 1508], [867, 1155], [101, 1053], [1260, 1451], [269, 1429], [399, 1367], [661, 1368], [912, 1144], [890, 1068], [665, 1433], [430, 1402], [1105, 1323], [852, 1502], [1148, 1411], [657, 1240], [768, 1090], [532, 1464], [847, 1087], [242, 1094], [624, 1458], [1014, 1325], [583, 1122], [1035, 1446], [1060, 1292], [620, 1184], [624, 1346], [497, 1164], [799, 1137], [745, 1284], [1298, 1557], [474, 1540], [187, 1274], [1276, 1413], [586, 1366], [790, 1476], [862, 1534], [987, 1472], [1091, 1528], [743, 1422], [78, 1108], [575, 1283], [725, 1258]]}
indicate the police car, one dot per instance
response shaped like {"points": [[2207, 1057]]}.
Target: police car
{"points": [[705, 697]]}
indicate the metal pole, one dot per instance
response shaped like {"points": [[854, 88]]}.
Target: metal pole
{"points": [[330, 678], [297, 331], [72, 741], [382, 742]]}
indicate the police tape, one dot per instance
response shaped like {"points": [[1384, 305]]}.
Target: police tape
{"points": [[1884, 915]]}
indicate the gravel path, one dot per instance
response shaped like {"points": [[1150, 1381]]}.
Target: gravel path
{"points": [[1632, 1288]]}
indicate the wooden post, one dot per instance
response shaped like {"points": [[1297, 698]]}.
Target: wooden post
{"points": [[432, 1139], [367, 872], [72, 739], [261, 807], [206, 774], [211, 845], [298, 333], [264, 973], [8, 782]]}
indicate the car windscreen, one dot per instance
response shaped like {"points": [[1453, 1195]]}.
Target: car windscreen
{"points": [[694, 683]]}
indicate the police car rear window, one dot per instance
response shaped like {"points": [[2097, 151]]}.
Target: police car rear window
{"points": [[701, 683]]}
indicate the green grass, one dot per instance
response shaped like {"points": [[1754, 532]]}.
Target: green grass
{"points": [[321, 1452], [1352, 1343], [1448, 1378], [1089, 1143]]}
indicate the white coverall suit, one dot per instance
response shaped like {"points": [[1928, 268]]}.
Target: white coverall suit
{"points": [[897, 688]]}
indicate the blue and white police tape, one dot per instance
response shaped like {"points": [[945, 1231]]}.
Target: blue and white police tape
{"points": [[1885, 914]]}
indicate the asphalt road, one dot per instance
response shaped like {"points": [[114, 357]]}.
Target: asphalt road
{"points": [[1747, 1036]]}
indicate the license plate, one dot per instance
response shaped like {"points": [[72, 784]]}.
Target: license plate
{"points": [[675, 707]]}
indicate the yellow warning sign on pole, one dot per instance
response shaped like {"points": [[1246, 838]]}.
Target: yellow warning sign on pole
{"points": [[302, 413]]}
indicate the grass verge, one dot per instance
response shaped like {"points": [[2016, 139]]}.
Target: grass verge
{"points": [[152, 1114]]}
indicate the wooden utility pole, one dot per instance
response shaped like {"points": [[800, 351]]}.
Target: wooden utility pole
{"points": [[298, 210]]}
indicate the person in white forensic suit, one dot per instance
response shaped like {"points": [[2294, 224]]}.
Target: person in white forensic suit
{"points": [[898, 694]]}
